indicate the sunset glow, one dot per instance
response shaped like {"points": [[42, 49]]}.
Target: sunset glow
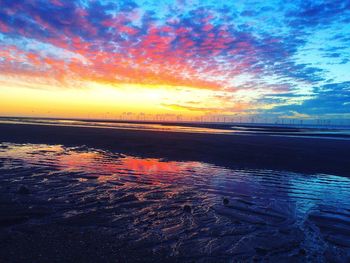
{"points": [[107, 59]]}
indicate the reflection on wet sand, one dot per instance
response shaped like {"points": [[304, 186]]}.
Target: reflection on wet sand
{"points": [[182, 210], [305, 131]]}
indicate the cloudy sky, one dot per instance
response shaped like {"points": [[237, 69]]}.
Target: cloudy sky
{"points": [[96, 58]]}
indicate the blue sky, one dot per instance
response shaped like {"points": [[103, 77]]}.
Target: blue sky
{"points": [[283, 59]]}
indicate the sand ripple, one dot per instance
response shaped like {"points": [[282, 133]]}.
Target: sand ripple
{"points": [[176, 210]]}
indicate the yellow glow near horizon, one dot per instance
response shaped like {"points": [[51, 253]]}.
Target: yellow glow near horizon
{"points": [[96, 100]]}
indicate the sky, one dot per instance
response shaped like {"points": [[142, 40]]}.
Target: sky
{"points": [[182, 58]]}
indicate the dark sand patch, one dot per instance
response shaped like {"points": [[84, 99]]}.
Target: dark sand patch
{"points": [[310, 155], [95, 205]]}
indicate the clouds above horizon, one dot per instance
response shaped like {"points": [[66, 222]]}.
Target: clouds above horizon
{"points": [[273, 57]]}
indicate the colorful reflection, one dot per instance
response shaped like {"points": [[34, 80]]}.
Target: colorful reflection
{"points": [[106, 166], [216, 211]]}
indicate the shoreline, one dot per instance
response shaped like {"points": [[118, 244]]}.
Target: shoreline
{"points": [[306, 155], [307, 129], [81, 200]]}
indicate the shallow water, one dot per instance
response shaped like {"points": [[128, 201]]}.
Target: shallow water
{"points": [[336, 132], [178, 208]]}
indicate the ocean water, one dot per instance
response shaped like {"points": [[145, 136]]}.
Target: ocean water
{"points": [[186, 210], [341, 132]]}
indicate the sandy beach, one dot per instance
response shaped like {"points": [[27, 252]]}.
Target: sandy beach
{"points": [[308, 155], [106, 195]]}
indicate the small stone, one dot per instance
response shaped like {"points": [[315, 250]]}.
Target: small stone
{"points": [[187, 209], [23, 190], [225, 201]]}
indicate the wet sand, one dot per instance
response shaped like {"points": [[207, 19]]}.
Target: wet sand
{"points": [[71, 194], [308, 155]]}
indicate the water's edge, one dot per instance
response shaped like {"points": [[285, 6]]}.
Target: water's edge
{"points": [[155, 209]]}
